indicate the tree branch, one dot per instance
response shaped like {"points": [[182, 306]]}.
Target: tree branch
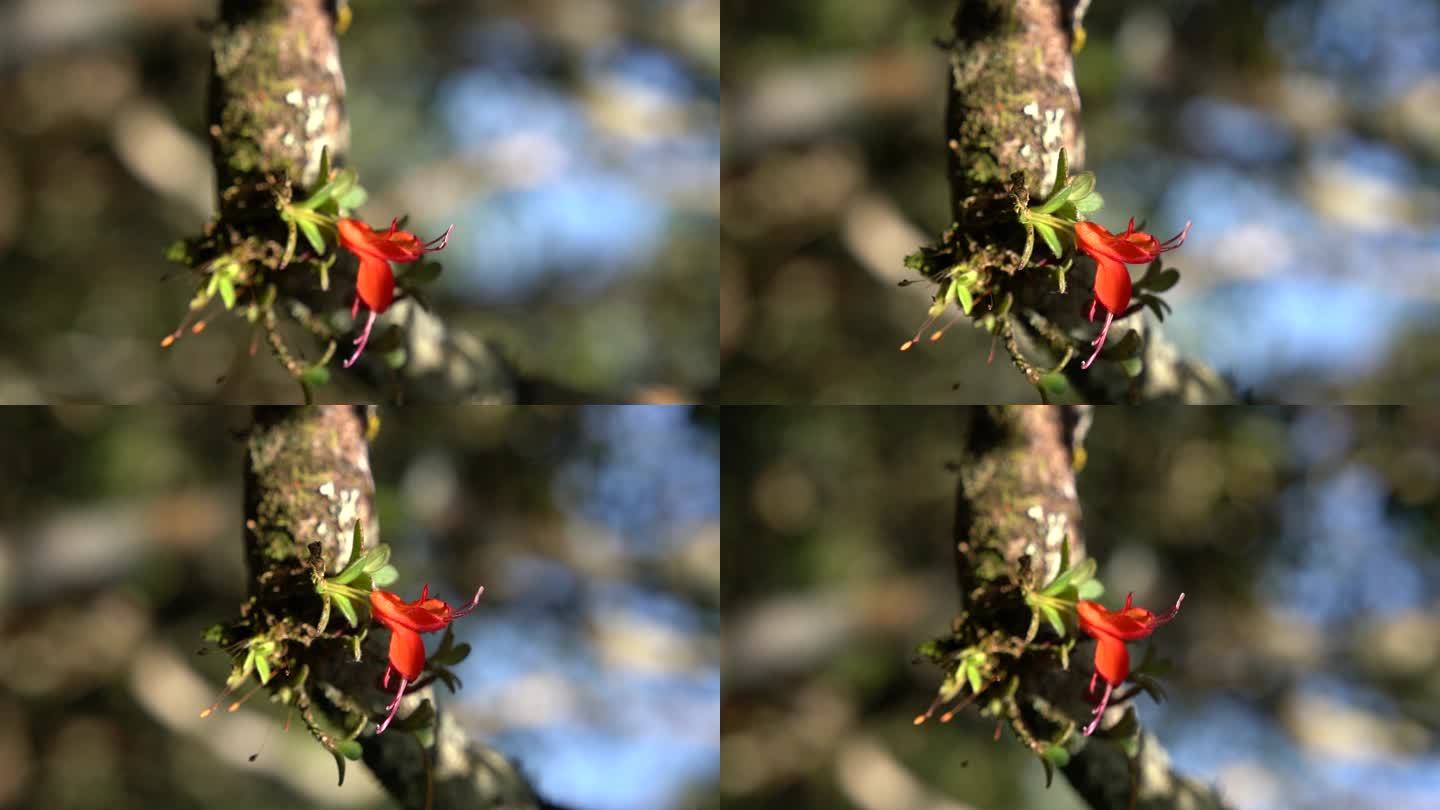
{"points": [[307, 481], [277, 99], [1016, 504], [1012, 106]]}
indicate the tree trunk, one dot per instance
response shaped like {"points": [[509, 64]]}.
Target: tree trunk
{"points": [[1012, 105], [307, 481], [1015, 506], [277, 98]]}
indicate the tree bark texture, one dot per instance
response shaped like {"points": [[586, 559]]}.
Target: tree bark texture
{"points": [[1012, 105], [307, 480], [1016, 504], [277, 99]]}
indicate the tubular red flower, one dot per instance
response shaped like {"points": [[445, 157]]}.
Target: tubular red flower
{"points": [[1111, 629], [1111, 253], [375, 283], [406, 621]]}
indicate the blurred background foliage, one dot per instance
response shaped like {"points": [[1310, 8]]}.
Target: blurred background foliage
{"points": [[574, 144], [1302, 137], [1306, 659], [596, 645]]}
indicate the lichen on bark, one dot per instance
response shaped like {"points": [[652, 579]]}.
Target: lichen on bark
{"points": [[307, 483], [1016, 503], [1012, 106]]}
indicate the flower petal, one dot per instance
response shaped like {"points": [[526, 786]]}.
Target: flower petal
{"points": [[1136, 247], [421, 616], [375, 285], [407, 652], [1112, 285], [1112, 660]]}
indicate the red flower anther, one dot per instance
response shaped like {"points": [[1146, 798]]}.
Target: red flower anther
{"points": [[375, 285], [406, 621], [1111, 630], [1111, 253]]}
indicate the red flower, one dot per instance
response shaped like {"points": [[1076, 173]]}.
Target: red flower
{"points": [[375, 285], [406, 621], [1111, 253], [1111, 631]]}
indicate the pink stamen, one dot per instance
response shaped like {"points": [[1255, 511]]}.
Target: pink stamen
{"points": [[471, 606], [1099, 710], [362, 340], [1094, 302], [1165, 617], [1177, 240], [385, 682], [439, 242], [355, 308], [393, 707], [1099, 342]]}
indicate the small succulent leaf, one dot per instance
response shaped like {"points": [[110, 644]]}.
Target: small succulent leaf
{"points": [[385, 577], [1081, 185], [1048, 234], [347, 609], [312, 235], [340, 767], [966, 298], [1164, 280], [1053, 616], [972, 674], [1089, 204], [1056, 200]]}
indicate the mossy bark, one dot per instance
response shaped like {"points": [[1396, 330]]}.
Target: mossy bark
{"points": [[1016, 504], [307, 481], [277, 99], [1012, 105]]}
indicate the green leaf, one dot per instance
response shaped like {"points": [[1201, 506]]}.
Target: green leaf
{"points": [[1163, 280], [1092, 590], [452, 682], [423, 716], [352, 199], [315, 375], [1089, 203], [1080, 573], [1051, 238], [1082, 185], [343, 602], [1057, 754], [350, 749], [262, 668], [1055, 384], [452, 656], [376, 558], [324, 174], [972, 673], [1053, 616], [312, 235], [1127, 347], [339, 766], [385, 577], [178, 252], [1132, 366], [1061, 169], [1057, 199], [967, 300]]}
